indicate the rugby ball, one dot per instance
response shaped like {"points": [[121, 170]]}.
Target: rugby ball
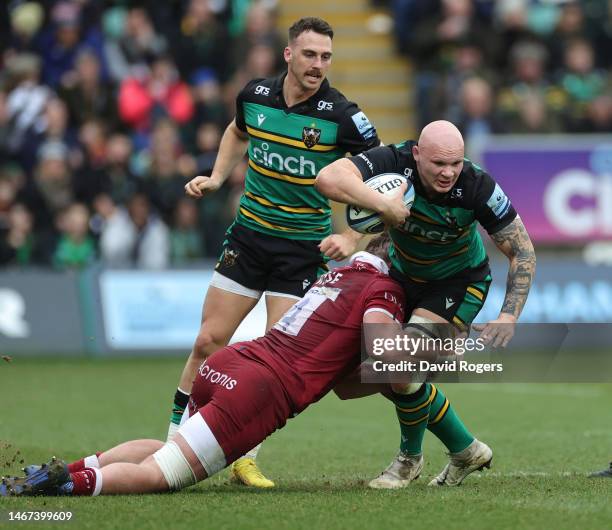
{"points": [[369, 222]]}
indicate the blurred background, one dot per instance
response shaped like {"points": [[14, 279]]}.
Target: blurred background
{"points": [[107, 108]]}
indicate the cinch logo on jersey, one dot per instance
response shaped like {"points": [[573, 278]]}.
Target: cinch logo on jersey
{"points": [[295, 166], [217, 378], [434, 235], [365, 128]]}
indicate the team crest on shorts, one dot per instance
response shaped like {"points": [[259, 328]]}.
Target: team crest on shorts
{"points": [[229, 257], [311, 136]]}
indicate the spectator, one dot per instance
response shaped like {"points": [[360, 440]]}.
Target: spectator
{"points": [[580, 80], [86, 95], [121, 179], [468, 62], [135, 237], [91, 177], [434, 42], [209, 106], [598, 116], [27, 97], [534, 116], [477, 118], [138, 45], [168, 168], [528, 79], [203, 42], [571, 25], [19, 243], [260, 29], [52, 187], [160, 94], [207, 145], [51, 126], [25, 19], [185, 238], [59, 45], [75, 248]]}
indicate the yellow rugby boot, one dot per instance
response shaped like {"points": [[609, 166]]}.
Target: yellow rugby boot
{"points": [[245, 471]]}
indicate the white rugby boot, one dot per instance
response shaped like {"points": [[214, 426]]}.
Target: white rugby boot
{"points": [[475, 457], [400, 472]]}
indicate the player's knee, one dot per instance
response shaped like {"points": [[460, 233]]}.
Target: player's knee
{"points": [[175, 473], [207, 343]]}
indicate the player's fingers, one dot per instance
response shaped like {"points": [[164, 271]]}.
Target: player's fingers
{"points": [[478, 327], [191, 191], [498, 339], [486, 334]]}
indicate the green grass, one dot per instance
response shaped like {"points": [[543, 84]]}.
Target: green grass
{"points": [[545, 439]]}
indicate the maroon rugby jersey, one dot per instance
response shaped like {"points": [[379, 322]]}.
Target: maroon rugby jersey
{"points": [[318, 341]]}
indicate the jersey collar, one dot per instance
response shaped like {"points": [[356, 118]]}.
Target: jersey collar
{"points": [[371, 259], [277, 88]]}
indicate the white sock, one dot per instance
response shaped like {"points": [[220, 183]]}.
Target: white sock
{"points": [[253, 452], [98, 486], [91, 461]]}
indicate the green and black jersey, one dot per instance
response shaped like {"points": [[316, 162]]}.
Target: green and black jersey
{"points": [[287, 148], [440, 239]]}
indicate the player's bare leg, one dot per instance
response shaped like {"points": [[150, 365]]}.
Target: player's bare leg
{"points": [[245, 469], [132, 452], [147, 477], [170, 466], [222, 313]]}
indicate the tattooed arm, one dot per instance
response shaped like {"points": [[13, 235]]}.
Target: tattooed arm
{"points": [[514, 242]]}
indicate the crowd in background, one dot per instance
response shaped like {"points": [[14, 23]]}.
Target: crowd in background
{"points": [[106, 110], [510, 66]]}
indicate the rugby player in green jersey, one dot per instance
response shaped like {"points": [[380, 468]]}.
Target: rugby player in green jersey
{"points": [[439, 257], [291, 127]]}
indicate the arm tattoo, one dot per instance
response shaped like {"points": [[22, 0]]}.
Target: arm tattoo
{"points": [[514, 242]]}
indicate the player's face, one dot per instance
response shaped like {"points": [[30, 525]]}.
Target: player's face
{"points": [[308, 59], [439, 166]]}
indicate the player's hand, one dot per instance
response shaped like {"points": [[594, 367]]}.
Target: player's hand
{"points": [[498, 332], [394, 211], [199, 186], [338, 246]]}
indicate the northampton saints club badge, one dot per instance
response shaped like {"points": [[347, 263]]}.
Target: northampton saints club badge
{"points": [[229, 257], [311, 136]]}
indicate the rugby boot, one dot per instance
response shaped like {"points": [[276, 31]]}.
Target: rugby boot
{"points": [[246, 471], [401, 472], [47, 480], [603, 473], [475, 457]]}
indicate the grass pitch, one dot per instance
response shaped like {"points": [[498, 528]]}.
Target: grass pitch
{"points": [[545, 439]]}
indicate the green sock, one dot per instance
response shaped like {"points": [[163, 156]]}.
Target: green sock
{"points": [[446, 425], [413, 412], [181, 399]]}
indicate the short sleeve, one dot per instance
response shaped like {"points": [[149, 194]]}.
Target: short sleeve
{"points": [[385, 296], [492, 207], [355, 132], [376, 161], [242, 95]]}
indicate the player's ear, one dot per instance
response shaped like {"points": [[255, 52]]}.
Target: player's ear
{"points": [[287, 54], [415, 152]]}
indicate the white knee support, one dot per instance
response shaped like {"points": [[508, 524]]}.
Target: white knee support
{"points": [[202, 441], [174, 466]]}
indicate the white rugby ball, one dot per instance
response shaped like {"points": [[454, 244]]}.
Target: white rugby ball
{"points": [[369, 222]]}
